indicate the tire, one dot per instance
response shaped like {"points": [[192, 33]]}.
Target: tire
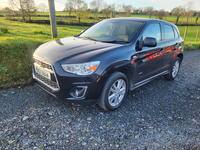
{"points": [[174, 69], [114, 91]]}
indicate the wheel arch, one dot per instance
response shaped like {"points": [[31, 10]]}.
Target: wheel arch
{"points": [[129, 74], [180, 56]]}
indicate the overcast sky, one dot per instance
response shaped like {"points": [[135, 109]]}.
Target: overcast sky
{"points": [[168, 5]]}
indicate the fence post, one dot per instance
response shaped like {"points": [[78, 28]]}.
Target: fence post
{"points": [[111, 14], [52, 18], [185, 33], [197, 35]]}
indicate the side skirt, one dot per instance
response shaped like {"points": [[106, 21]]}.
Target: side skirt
{"points": [[138, 84]]}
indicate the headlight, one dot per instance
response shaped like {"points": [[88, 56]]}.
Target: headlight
{"points": [[81, 69]]}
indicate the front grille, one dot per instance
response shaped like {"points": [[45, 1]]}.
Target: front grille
{"points": [[43, 64], [50, 85], [47, 81]]}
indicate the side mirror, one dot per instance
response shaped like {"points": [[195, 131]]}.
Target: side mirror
{"points": [[150, 42]]}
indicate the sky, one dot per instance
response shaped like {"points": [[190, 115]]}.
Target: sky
{"points": [[168, 5]]}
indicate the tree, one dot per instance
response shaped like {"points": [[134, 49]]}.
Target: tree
{"points": [[70, 6], [178, 12], [127, 9], [81, 10], [149, 10], [140, 10], [107, 9], [196, 19], [120, 9], [11, 12], [160, 14], [42, 7], [166, 15], [95, 6], [188, 10], [26, 7], [30, 8]]}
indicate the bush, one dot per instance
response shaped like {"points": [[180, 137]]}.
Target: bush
{"points": [[15, 59], [37, 32], [3, 29], [192, 46]]}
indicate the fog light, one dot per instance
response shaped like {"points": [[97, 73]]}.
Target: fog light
{"points": [[79, 91]]}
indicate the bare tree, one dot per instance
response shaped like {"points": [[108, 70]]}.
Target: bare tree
{"points": [[189, 10], [11, 12], [42, 7], [70, 6], [140, 10], [127, 9], [134, 10], [178, 12], [107, 9], [26, 7], [104, 8], [149, 10], [166, 15], [160, 14], [95, 6], [30, 8], [81, 10], [19, 4], [120, 9]]}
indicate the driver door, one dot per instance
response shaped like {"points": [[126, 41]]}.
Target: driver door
{"points": [[150, 59]]}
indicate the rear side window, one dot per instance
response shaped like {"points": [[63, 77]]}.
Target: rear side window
{"points": [[153, 30], [168, 32], [176, 33]]}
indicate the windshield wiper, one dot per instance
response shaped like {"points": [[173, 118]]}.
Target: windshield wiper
{"points": [[115, 41], [89, 38]]}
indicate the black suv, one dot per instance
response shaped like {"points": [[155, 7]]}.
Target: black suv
{"points": [[104, 62]]}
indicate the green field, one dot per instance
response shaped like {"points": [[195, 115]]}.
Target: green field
{"points": [[18, 45], [169, 18]]}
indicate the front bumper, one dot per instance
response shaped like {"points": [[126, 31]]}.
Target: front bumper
{"points": [[67, 82]]}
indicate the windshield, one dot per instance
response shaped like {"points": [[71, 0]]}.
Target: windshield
{"points": [[113, 31]]}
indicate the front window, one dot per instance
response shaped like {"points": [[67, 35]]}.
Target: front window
{"points": [[153, 30], [113, 31]]}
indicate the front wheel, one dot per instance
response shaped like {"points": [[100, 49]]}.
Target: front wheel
{"points": [[174, 70], [114, 91]]}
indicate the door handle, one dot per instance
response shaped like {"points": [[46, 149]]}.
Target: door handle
{"points": [[161, 50], [176, 46]]}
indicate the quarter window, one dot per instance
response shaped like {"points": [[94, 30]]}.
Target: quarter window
{"points": [[175, 33], [153, 30], [168, 32]]}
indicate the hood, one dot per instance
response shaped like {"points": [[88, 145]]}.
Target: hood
{"points": [[73, 50]]}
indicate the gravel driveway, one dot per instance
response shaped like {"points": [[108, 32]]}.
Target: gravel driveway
{"points": [[159, 115]]}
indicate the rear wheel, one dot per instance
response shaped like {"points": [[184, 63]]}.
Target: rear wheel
{"points": [[114, 91], [174, 70]]}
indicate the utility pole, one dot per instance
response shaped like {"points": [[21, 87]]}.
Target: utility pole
{"points": [[52, 18]]}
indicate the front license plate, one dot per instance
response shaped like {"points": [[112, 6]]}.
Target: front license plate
{"points": [[42, 72]]}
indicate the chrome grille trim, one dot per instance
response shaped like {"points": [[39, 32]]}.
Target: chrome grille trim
{"points": [[43, 64], [42, 79]]}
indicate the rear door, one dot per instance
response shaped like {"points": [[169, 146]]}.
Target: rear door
{"points": [[169, 38], [150, 59]]}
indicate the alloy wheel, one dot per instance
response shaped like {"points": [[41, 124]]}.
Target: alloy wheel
{"points": [[117, 92]]}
